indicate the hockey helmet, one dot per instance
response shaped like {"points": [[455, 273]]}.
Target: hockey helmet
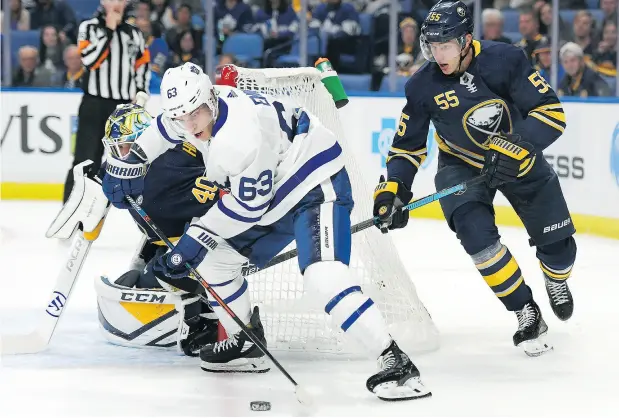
{"points": [[446, 20], [185, 89]]}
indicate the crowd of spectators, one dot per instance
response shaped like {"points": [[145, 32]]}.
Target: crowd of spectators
{"points": [[175, 33]]}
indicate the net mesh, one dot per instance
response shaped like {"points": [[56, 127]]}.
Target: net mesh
{"points": [[291, 320]]}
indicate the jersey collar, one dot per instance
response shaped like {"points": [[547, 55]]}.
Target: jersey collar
{"points": [[221, 118]]}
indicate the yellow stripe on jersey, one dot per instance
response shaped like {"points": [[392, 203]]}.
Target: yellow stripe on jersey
{"points": [[547, 121], [443, 147], [523, 167], [420, 152], [410, 158]]}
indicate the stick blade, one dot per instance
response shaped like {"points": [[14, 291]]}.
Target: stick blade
{"points": [[32, 343]]}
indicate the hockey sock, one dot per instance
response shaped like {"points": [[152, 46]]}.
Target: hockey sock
{"points": [[557, 259], [236, 296], [501, 272], [343, 299]]}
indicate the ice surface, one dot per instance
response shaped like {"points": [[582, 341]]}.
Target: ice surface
{"points": [[477, 371]]}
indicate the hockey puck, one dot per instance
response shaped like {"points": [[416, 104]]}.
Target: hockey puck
{"points": [[260, 406]]}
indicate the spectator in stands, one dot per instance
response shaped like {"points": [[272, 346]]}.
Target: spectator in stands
{"points": [[72, 77], [20, 17], [183, 24], [339, 21], [143, 11], [162, 14], [57, 13], [584, 33], [542, 59], [158, 48], [29, 73], [544, 13], [579, 79], [232, 16], [609, 7], [492, 21], [51, 49], [409, 57], [528, 25], [277, 23], [605, 56], [185, 51]]}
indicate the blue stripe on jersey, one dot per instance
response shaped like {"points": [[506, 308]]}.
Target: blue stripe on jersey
{"points": [[356, 314], [221, 117], [233, 296], [234, 215], [329, 307], [164, 133], [306, 169], [251, 208]]}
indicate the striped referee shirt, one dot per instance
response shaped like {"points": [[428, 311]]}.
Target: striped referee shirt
{"points": [[117, 62]]}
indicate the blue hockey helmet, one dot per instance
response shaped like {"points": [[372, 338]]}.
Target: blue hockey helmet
{"points": [[446, 20]]}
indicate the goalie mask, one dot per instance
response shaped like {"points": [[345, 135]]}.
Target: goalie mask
{"points": [[123, 127]]}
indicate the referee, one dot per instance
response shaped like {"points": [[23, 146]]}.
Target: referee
{"points": [[117, 66]]}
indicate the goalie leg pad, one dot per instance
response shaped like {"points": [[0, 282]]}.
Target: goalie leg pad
{"points": [[222, 269], [332, 285]]}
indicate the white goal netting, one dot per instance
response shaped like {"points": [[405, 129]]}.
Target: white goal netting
{"points": [[291, 320]]}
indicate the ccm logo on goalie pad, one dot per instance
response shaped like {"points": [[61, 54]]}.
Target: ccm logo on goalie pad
{"points": [[55, 306], [556, 226], [142, 297]]}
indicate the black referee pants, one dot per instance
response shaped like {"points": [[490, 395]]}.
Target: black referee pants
{"points": [[92, 115]]}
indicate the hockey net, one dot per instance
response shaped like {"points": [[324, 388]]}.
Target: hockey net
{"points": [[291, 320]]}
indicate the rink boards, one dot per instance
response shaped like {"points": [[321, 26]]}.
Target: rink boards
{"points": [[38, 130]]}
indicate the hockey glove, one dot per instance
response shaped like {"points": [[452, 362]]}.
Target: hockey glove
{"points": [[192, 248], [124, 177], [389, 197], [507, 159]]}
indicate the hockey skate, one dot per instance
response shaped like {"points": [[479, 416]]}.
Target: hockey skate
{"points": [[237, 354], [560, 298], [398, 378], [531, 331]]}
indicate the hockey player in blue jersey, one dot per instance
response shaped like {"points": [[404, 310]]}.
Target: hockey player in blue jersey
{"points": [[287, 182], [494, 115]]}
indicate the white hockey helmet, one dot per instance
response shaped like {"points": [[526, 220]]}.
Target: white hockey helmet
{"points": [[186, 88]]}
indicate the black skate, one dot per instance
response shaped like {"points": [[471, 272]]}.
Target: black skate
{"points": [[531, 331], [398, 379], [560, 298], [237, 354]]}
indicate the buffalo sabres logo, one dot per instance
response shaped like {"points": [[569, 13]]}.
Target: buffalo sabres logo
{"points": [[486, 119]]}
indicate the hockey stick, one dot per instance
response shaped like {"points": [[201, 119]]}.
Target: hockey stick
{"points": [[302, 395], [39, 339], [458, 188]]}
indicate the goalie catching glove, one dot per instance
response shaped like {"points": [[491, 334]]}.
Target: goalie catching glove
{"points": [[389, 198], [507, 159]]}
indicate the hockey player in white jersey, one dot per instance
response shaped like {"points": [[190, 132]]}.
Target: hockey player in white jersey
{"points": [[287, 181]]}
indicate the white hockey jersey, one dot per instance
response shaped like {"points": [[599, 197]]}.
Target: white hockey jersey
{"points": [[267, 151]]}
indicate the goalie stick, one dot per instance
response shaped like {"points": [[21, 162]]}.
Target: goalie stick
{"points": [[457, 189], [302, 396], [39, 339]]}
